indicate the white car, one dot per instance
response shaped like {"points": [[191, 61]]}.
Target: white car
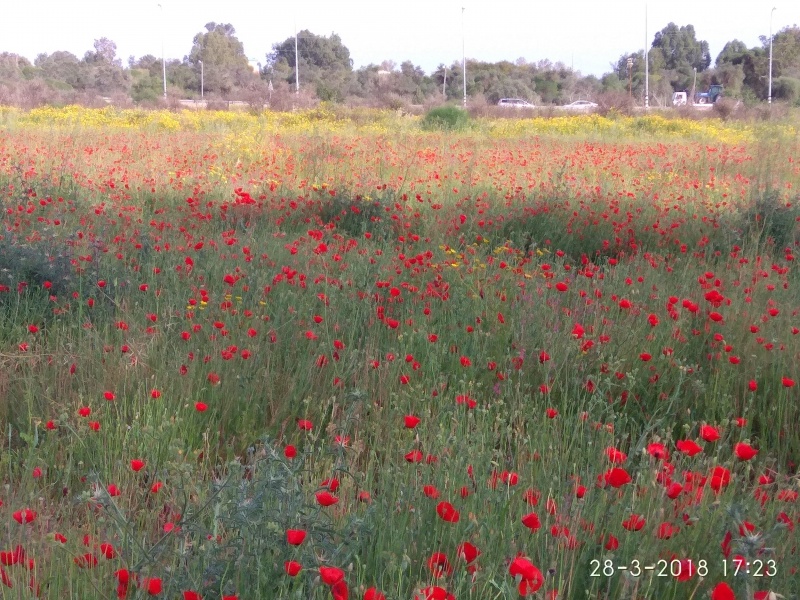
{"points": [[515, 103], [679, 99], [581, 105]]}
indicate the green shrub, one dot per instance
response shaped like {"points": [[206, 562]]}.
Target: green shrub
{"points": [[446, 118]]}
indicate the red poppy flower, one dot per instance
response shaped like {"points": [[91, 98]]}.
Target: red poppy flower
{"points": [[439, 565], [373, 594], [123, 576], [722, 591], [531, 521], [667, 530], [191, 595], [787, 382], [152, 585], [617, 477], [524, 568], [86, 561], [658, 450], [561, 286], [200, 406], [433, 593], [634, 523], [331, 575], [290, 451], [137, 464], [430, 491], [109, 396], [414, 456], [709, 433], [305, 425], [674, 490], [325, 498], [468, 552], [292, 567], [744, 451], [689, 447], [612, 543], [532, 496], [332, 484], [295, 537], [686, 570], [411, 421], [24, 516], [447, 512], [616, 456], [720, 477]]}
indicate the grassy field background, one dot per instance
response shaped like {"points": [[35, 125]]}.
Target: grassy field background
{"points": [[337, 355]]}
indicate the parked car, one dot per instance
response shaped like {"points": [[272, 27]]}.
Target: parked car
{"points": [[679, 99], [580, 105], [515, 103]]}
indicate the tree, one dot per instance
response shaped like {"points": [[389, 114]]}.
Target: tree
{"points": [[104, 70], [105, 51], [225, 64], [785, 52], [681, 53], [14, 67], [324, 63], [732, 53], [64, 67]]}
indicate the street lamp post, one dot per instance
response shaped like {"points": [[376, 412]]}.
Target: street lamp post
{"points": [[769, 93], [463, 57], [646, 64], [296, 63], [202, 80], [163, 62]]}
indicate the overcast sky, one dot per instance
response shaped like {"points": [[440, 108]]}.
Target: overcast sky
{"points": [[586, 34]]}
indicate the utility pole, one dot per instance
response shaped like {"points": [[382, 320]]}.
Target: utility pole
{"points": [[444, 85], [463, 57], [163, 62], [296, 63], [769, 94], [646, 64]]}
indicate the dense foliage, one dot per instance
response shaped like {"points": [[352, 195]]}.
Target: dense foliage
{"points": [[327, 73]]}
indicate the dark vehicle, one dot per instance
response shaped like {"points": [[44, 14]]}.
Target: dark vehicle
{"points": [[713, 94]]}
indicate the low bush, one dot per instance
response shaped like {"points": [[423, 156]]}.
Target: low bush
{"points": [[446, 118]]}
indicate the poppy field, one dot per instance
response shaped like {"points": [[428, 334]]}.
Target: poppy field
{"points": [[337, 356]]}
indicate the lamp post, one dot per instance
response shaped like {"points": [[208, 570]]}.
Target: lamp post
{"points": [[202, 80], [296, 63], [163, 62], [463, 57], [646, 64], [769, 93]]}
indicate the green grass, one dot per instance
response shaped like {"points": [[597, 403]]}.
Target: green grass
{"points": [[419, 278]]}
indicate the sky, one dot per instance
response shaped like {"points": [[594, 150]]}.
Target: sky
{"points": [[583, 34]]}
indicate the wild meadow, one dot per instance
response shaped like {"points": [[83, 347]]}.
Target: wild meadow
{"points": [[336, 355]]}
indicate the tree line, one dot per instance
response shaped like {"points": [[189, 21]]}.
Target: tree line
{"points": [[218, 68]]}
